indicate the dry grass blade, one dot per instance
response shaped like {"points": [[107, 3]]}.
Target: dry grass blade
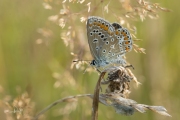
{"points": [[66, 99], [96, 97], [138, 49]]}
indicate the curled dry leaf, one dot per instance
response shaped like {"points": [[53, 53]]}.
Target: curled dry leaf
{"points": [[127, 106]]}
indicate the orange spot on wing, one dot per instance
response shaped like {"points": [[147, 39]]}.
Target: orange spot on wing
{"points": [[105, 28], [125, 34], [126, 42], [102, 26], [98, 24], [117, 32], [95, 23], [125, 38]]}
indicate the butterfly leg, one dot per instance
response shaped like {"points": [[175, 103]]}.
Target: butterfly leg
{"points": [[128, 66]]}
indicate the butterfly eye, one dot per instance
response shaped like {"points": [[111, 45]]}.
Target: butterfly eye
{"points": [[93, 62]]}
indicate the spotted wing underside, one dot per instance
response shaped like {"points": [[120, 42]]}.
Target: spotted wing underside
{"points": [[107, 42]]}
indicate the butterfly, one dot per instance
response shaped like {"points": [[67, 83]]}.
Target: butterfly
{"points": [[108, 42]]}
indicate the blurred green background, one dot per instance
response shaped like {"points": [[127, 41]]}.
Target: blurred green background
{"points": [[34, 59]]}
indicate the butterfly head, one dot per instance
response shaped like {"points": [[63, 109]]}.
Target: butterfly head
{"points": [[93, 63]]}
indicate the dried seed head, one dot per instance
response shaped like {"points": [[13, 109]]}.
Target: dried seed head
{"points": [[127, 106], [118, 81]]}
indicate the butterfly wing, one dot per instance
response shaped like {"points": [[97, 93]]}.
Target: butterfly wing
{"points": [[108, 42], [119, 44], [98, 31], [122, 35]]}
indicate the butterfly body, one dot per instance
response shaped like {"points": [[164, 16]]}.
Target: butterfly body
{"points": [[108, 42]]}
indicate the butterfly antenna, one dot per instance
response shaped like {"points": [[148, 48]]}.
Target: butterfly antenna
{"points": [[81, 60], [77, 60]]}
